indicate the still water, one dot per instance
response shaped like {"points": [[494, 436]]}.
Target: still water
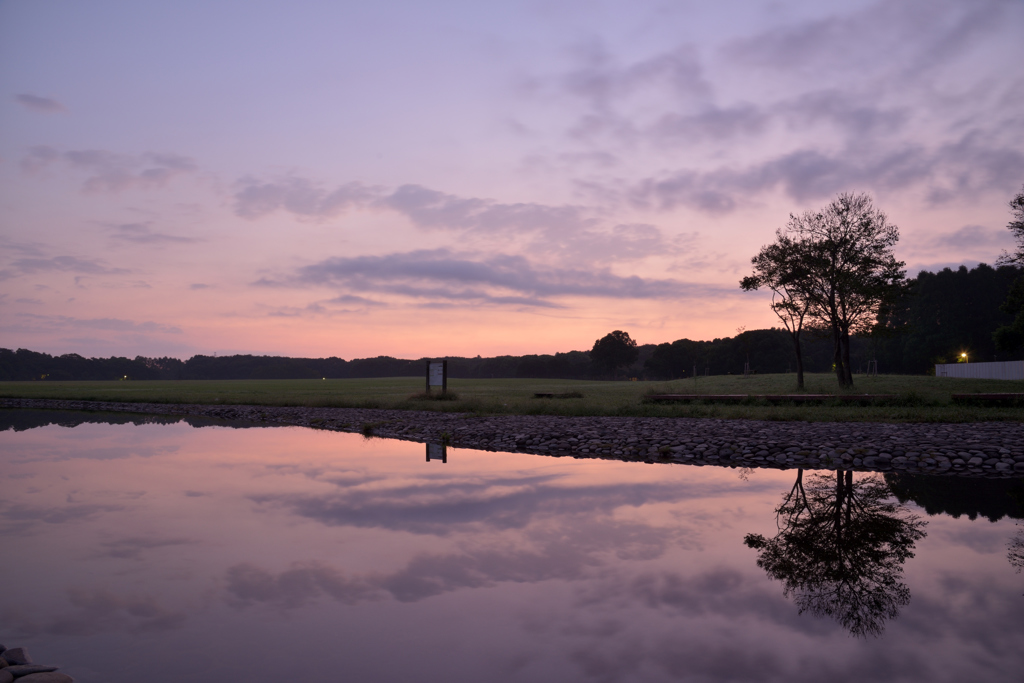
{"points": [[167, 552]]}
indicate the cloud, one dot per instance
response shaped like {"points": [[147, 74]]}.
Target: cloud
{"points": [[199, 285], [428, 208], [62, 322], [918, 36], [40, 104], [299, 196], [973, 237], [966, 166], [111, 172], [557, 230], [62, 264], [441, 274], [141, 233]]}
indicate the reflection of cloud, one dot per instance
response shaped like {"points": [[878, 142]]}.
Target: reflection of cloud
{"points": [[294, 587], [58, 514], [442, 508], [496, 279], [40, 104], [132, 548], [110, 172], [101, 610], [562, 554]]}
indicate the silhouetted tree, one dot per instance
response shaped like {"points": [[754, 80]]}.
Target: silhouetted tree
{"points": [[780, 268], [613, 351], [1011, 337], [840, 550], [844, 255]]}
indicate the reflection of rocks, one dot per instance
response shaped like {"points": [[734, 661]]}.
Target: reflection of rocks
{"points": [[840, 550], [976, 449], [15, 664]]}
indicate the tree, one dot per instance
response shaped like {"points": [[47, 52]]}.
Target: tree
{"points": [[1016, 226], [840, 550], [780, 267], [1011, 337], [613, 351], [844, 258]]}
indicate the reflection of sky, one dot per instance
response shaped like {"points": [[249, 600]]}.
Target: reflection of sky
{"points": [[266, 554]]}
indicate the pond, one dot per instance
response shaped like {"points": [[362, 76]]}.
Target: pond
{"points": [[169, 551]]}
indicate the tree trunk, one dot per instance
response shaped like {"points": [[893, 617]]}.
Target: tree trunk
{"points": [[799, 359], [837, 357], [840, 499], [847, 369]]}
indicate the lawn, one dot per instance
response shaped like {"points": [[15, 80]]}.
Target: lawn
{"points": [[922, 398]]}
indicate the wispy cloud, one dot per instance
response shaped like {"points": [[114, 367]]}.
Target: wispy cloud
{"points": [[142, 233], [299, 196], [63, 322], [111, 172], [444, 275], [45, 105], [62, 264]]}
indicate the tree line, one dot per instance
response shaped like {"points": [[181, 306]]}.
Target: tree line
{"points": [[938, 316]]}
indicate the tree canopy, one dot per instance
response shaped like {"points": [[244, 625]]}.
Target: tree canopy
{"points": [[613, 351]]}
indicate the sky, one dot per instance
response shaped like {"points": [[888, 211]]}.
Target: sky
{"points": [[459, 178]]}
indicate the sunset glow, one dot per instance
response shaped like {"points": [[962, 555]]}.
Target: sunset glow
{"points": [[456, 178]]}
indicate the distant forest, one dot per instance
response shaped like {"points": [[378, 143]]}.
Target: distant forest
{"points": [[942, 315]]}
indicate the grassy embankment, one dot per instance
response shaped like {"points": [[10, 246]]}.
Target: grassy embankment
{"points": [[922, 398]]}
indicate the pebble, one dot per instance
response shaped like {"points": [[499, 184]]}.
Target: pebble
{"points": [[23, 670], [954, 449], [16, 655], [19, 670]]}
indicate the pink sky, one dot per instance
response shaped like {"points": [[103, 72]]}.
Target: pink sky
{"points": [[459, 178]]}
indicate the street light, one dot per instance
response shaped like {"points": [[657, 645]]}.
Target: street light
{"points": [[964, 356]]}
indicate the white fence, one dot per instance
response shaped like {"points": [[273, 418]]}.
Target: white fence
{"points": [[1013, 369]]}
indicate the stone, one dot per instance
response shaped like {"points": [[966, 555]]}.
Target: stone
{"points": [[19, 670], [50, 677], [17, 655]]}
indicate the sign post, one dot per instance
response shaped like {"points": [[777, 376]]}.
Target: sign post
{"points": [[437, 375]]}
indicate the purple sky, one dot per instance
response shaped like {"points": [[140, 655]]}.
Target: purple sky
{"points": [[410, 178]]}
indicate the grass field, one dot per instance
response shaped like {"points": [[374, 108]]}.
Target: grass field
{"points": [[922, 398]]}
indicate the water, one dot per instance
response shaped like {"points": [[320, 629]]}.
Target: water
{"points": [[167, 552]]}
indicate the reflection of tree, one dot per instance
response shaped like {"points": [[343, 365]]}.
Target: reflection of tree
{"points": [[1016, 551], [840, 549]]}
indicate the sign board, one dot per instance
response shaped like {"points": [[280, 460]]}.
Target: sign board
{"points": [[437, 375], [437, 451]]}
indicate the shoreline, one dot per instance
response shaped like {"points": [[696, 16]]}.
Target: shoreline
{"points": [[979, 449]]}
